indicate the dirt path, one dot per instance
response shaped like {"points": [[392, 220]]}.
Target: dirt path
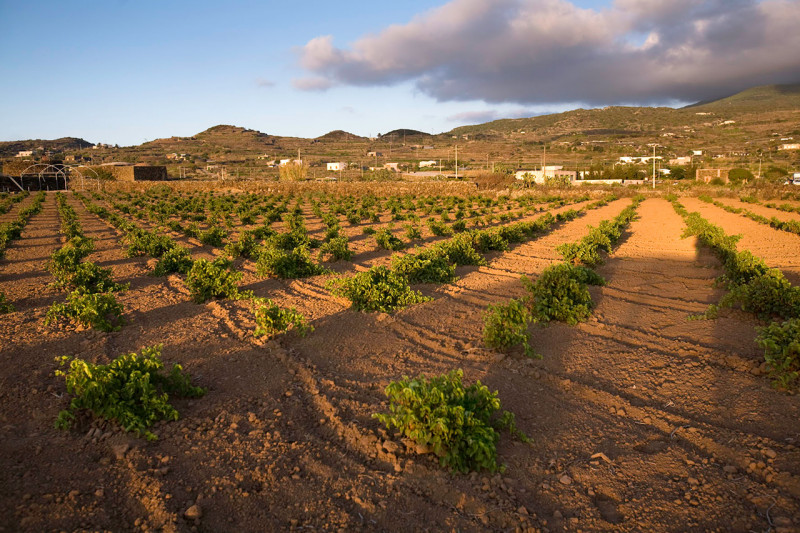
{"points": [[641, 372], [779, 249]]}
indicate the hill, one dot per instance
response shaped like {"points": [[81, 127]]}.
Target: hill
{"points": [[753, 117], [765, 98], [339, 135], [12, 148], [403, 132]]}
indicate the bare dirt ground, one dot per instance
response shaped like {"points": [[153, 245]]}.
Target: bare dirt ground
{"points": [[640, 419], [780, 249]]}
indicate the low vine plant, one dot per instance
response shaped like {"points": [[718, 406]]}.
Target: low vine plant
{"points": [[99, 311], [213, 279], [377, 289], [781, 343], [5, 305], [132, 390], [506, 326], [459, 424], [561, 293], [272, 319]]}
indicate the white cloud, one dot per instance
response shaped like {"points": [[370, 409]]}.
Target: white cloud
{"points": [[317, 83], [550, 51]]}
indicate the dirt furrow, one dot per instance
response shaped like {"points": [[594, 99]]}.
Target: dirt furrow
{"points": [[779, 249]]}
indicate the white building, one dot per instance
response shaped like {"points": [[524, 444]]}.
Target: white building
{"points": [[638, 159], [337, 166], [392, 166], [683, 160], [791, 146], [25, 153], [424, 164], [550, 171], [285, 162]]}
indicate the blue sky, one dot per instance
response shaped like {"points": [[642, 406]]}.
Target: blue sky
{"points": [[121, 72]]}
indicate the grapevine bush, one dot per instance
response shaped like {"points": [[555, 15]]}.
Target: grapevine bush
{"points": [[271, 319], [289, 264], [781, 343], [131, 390], [457, 423], [561, 293], [506, 326], [212, 279], [377, 289], [99, 311]]}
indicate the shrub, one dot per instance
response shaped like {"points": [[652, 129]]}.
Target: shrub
{"points": [[377, 289], [213, 236], [91, 278], [271, 319], [337, 248], [291, 264], [177, 259], [246, 245], [131, 390], [560, 293], [99, 311], [388, 241], [5, 305], [152, 243], [487, 240], [288, 241], [766, 296], [368, 230], [207, 279], [506, 326], [425, 267], [459, 250], [781, 343], [413, 233], [64, 261], [439, 228], [456, 423]]}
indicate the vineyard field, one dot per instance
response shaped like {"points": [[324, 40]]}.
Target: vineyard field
{"points": [[649, 414]]}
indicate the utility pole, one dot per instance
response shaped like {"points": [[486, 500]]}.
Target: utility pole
{"points": [[456, 161], [654, 166], [544, 163]]}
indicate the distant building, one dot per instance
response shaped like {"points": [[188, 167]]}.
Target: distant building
{"points": [[706, 175], [697, 152], [789, 146], [627, 160], [336, 166], [683, 160], [285, 162], [24, 153], [550, 171], [128, 172], [424, 164], [394, 167], [374, 154]]}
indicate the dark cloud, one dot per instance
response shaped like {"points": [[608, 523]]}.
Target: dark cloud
{"points": [[550, 51], [488, 115]]}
